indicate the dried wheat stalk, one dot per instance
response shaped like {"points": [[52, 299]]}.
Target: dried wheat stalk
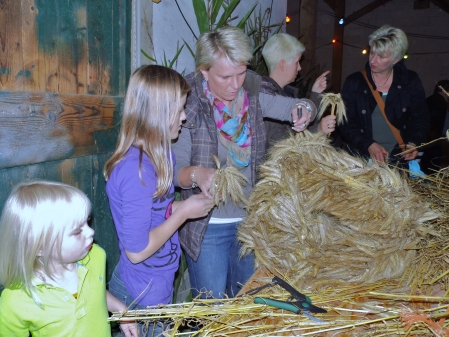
{"points": [[322, 214], [227, 184]]}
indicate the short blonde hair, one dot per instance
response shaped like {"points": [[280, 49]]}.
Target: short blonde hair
{"points": [[33, 222], [152, 105], [388, 39], [228, 42], [281, 47]]}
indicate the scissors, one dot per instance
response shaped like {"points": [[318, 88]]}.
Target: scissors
{"points": [[301, 304]]}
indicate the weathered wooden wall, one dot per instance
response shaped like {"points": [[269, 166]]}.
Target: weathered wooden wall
{"points": [[64, 66]]}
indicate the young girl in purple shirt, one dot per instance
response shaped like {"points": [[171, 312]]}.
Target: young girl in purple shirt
{"points": [[140, 190]]}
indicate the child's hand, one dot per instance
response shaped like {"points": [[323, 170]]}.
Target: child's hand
{"points": [[130, 329], [197, 206]]}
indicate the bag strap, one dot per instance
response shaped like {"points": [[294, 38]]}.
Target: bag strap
{"points": [[381, 105]]}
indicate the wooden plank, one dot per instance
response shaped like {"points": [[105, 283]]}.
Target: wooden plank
{"points": [[337, 58], [71, 47], [47, 39], [38, 127], [105, 233], [33, 62], [11, 61], [364, 10], [443, 4], [99, 39], [81, 65], [121, 57]]}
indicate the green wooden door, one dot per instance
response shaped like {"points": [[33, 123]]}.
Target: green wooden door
{"points": [[64, 66]]}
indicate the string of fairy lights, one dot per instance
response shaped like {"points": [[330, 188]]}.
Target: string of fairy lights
{"points": [[366, 25]]}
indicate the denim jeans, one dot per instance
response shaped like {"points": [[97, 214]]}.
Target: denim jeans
{"points": [[219, 270], [118, 289]]}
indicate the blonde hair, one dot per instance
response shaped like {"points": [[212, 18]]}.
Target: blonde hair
{"points": [[281, 47], [228, 42], [388, 39], [33, 222], [152, 105]]}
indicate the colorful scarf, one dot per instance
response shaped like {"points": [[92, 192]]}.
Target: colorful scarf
{"points": [[234, 129]]}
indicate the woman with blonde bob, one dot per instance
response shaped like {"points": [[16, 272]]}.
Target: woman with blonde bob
{"points": [[367, 132], [224, 118], [50, 267], [140, 190]]}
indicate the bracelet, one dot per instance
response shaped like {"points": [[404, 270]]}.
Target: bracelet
{"points": [[192, 177]]}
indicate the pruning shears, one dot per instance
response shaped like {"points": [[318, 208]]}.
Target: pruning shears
{"points": [[302, 304]]}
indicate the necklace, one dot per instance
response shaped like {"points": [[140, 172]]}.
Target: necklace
{"points": [[381, 85]]}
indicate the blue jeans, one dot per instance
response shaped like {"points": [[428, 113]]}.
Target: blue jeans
{"points": [[118, 289], [219, 270]]}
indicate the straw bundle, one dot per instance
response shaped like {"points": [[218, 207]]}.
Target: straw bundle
{"points": [[227, 184], [353, 310], [320, 213], [337, 106]]}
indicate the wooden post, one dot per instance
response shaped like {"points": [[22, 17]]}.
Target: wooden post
{"points": [[307, 29], [337, 59]]}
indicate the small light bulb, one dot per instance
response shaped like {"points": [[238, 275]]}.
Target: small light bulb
{"points": [[364, 51], [287, 19], [333, 41], [406, 56], [341, 21]]}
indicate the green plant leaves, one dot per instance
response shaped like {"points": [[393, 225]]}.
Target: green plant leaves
{"points": [[216, 5], [227, 13], [242, 22], [201, 15]]}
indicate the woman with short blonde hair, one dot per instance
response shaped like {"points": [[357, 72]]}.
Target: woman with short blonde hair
{"points": [[369, 131], [281, 47], [223, 119]]}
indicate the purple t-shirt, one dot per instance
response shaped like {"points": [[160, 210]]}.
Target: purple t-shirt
{"points": [[135, 212]]}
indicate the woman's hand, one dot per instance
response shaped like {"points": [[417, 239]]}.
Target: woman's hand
{"points": [[378, 153], [327, 124], [203, 178], [300, 123], [197, 206], [320, 83], [130, 329], [411, 155]]}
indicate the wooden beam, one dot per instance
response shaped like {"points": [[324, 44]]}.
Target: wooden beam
{"points": [[443, 4], [41, 127], [363, 11], [337, 59], [307, 29]]}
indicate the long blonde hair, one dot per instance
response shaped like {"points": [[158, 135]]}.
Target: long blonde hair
{"points": [[34, 219], [152, 106]]}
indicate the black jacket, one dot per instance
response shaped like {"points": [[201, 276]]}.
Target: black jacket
{"points": [[405, 108]]}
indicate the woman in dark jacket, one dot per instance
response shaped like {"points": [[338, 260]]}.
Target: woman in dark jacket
{"points": [[367, 133]]}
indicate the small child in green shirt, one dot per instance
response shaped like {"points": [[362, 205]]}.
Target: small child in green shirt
{"points": [[53, 273]]}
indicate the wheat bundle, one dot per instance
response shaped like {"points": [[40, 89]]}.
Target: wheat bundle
{"points": [[337, 106], [320, 213], [228, 184]]}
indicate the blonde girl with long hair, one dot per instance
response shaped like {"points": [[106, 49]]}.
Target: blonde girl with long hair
{"points": [[53, 273], [140, 189]]}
